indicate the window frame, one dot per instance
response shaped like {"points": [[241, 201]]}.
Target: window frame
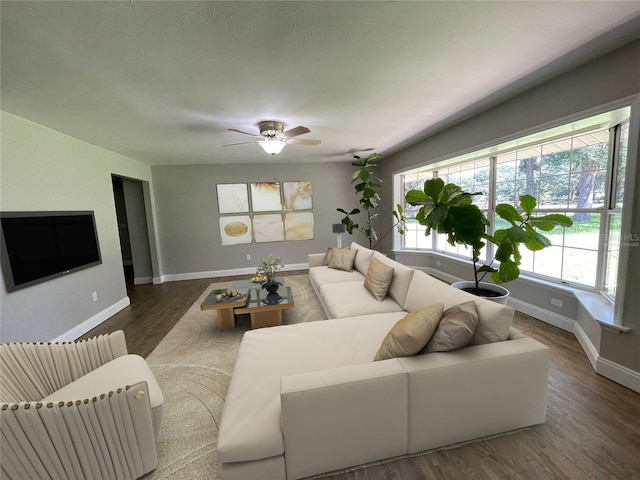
{"points": [[518, 143]]}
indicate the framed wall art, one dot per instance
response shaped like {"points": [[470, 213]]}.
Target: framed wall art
{"points": [[259, 212], [233, 198]]}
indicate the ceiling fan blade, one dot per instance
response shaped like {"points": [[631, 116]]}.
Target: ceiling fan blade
{"points": [[245, 133], [234, 144], [294, 132], [303, 141]]}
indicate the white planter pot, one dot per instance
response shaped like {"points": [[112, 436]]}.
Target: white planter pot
{"points": [[502, 298]]}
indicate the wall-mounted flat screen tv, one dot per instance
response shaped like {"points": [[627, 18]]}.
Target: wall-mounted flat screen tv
{"points": [[40, 246]]}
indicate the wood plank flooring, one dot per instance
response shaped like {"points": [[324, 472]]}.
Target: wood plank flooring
{"points": [[592, 429]]}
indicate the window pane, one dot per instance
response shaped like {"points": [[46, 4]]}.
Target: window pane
{"points": [[611, 260], [580, 266], [548, 262], [622, 164], [585, 232]]}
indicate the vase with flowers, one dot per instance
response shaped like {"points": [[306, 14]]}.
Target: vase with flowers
{"points": [[267, 270]]}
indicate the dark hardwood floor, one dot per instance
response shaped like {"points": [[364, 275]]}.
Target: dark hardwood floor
{"points": [[592, 429], [155, 309]]}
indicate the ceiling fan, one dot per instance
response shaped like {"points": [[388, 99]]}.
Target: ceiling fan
{"points": [[275, 138]]}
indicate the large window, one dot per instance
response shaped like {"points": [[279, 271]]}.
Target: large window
{"points": [[580, 174]]}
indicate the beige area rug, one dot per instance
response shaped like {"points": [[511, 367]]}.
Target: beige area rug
{"points": [[193, 365]]}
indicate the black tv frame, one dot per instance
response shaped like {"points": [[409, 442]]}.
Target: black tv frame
{"points": [[4, 254]]}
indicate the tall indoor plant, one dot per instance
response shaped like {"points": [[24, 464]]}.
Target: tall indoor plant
{"points": [[366, 187], [449, 210]]}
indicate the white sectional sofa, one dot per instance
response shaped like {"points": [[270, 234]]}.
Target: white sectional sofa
{"points": [[308, 398]]}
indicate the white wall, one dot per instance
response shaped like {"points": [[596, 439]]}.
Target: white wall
{"points": [[42, 169]]}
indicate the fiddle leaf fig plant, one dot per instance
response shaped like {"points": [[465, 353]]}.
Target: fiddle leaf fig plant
{"points": [[449, 210], [366, 186]]}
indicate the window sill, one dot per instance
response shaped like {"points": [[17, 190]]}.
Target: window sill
{"points": [[600, 309]]}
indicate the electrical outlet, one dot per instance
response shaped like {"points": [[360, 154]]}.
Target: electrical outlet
{"points": [[438, 263], [248, 257], [95, 296], [556, 302]]}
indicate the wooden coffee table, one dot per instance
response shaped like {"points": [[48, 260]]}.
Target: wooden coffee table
{"points": [[225, 306], [264, 309]]}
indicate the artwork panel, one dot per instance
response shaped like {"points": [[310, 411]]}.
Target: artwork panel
{"points": [[233, 198], [299, 226], [265, 197], [297, 195], [268, 227], [235, 230]]}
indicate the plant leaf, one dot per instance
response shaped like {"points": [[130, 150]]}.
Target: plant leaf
{"points": [[537, 241], [415, 197], [509, 213], [517, 234], [508, 271], [433, 187], [527, 203], [549, 222]]}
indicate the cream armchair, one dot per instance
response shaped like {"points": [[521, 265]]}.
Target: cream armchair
{"points": [[77, 410]]}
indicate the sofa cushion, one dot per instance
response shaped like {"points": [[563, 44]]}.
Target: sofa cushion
{"points": [[378, 279], [321, 275], [409, 335], [342, 259], [250, 427], [494, 320], [456, 329], [402, 276], [351, 299], [363, 257]]}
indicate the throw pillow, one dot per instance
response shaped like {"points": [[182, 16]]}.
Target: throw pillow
{"points": [[455, 330], [409, 335], [327, 256], [378, 279], [342, 259]]}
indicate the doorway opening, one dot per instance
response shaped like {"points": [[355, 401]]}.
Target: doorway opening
{"points": [[131, 213]]}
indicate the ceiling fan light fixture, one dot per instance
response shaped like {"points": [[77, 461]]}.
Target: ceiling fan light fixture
{"points": [[272, 145]]}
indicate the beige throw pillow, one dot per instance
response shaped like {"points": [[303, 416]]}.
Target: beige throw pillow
{"points": [[409, 335], [327, 256], [378, 279], [455, 330], [342, 259]]}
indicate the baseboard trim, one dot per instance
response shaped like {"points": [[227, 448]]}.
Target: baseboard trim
{"points": [[142, 280], [224, 273], [619, 374], [91, 323], [552, 318]]}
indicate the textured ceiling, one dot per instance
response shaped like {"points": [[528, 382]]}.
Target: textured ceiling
{"points": [[161, 82]]}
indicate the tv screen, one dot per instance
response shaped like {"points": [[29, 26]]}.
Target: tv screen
{"points": [[39, 246]]}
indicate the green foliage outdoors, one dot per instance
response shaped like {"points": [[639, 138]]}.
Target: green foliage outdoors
{"points": [[449, 210]]}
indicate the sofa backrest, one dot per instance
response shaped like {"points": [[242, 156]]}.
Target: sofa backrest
{"points": [[494, 320], [401, 273]]}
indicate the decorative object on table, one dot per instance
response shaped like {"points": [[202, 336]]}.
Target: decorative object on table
{"points": [[449, 210], [272, 298], [268, 268], [258, 278], [367, 187]]}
